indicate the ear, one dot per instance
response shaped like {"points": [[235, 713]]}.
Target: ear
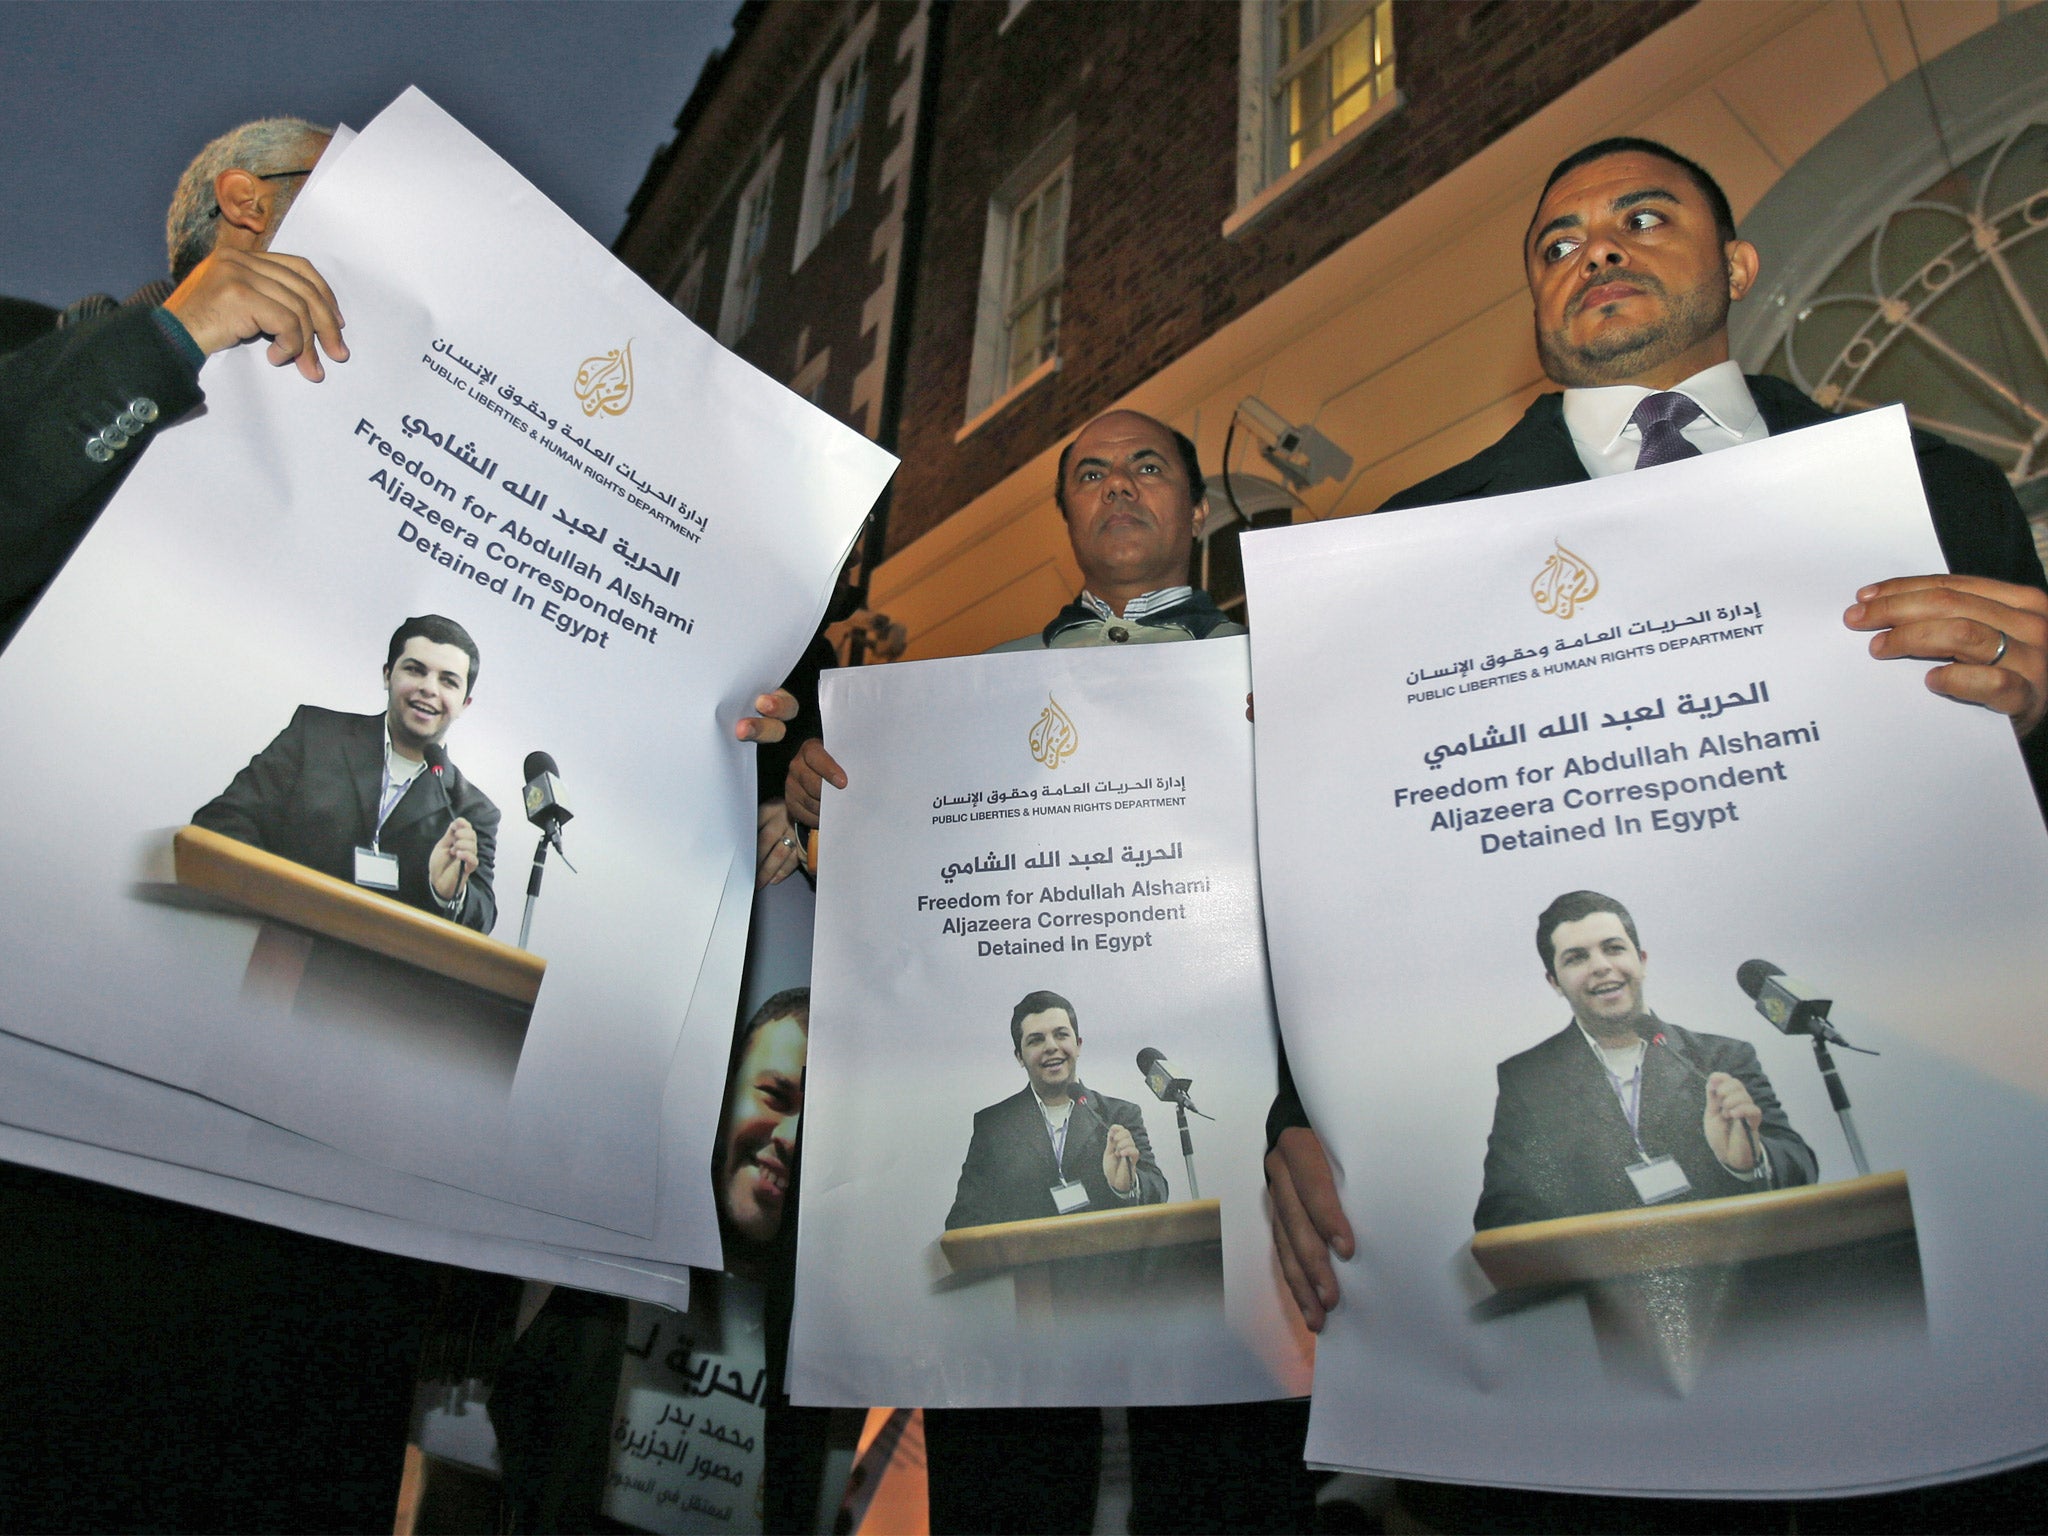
{"points": [[1019, 1054], [1201, 516], [1744, 263], [245, 203], [1552, 980], [387, 674]]}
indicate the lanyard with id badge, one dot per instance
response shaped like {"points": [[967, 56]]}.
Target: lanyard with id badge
{"points": [[374, 868], [1656, 1179], [1068, 1195]]}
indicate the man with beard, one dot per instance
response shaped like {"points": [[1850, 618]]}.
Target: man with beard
{"points": [[1633, 261]]}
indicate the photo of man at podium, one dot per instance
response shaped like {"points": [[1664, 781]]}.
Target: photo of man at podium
{"points": [[373, 799], [1054, 1148], [1619, 1109]]}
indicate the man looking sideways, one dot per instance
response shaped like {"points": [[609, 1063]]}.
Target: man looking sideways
{"points": [[1633, 261]]}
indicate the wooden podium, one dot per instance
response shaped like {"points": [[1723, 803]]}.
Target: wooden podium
{"points": [[1133, 1259], [1661, 1279], [312, 903]]}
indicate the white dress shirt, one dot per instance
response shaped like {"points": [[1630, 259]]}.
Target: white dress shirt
{"points": [[1598, 419]]}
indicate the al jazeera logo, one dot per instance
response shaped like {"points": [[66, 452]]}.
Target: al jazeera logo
{"points": [[604, 383], [1053, 738], [1565, 584]]}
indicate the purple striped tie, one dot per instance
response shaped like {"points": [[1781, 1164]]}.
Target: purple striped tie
{"points": [[1662, 419]]}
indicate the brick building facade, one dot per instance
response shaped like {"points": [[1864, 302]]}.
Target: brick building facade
{"points": [[1152, 90], [776, 217], [1315, 205]]}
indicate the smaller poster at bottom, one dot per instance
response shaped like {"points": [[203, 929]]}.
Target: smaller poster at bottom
{"points": [[1044, 1046], [688, 1427]]}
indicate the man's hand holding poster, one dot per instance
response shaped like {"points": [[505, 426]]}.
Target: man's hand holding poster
{"points": [[341, 628], [1045, 1043], [1587, 772]]}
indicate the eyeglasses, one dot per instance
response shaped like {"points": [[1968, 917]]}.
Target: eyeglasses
{"points": [[266, 176]]}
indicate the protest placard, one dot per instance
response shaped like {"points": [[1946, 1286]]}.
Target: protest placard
{"points": [[1592, 769], [637, 531], [1038, 953]]}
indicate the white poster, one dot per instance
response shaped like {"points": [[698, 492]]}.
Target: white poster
{"points": [[635, 530], [689, 1428], [1592, 770], [1038, 958]]}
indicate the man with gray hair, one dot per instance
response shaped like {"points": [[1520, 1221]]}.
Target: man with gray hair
{"points": [[169, 1320], [78, 405]]}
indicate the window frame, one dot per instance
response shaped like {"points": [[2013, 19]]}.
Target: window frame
{"points": [[821, 209], [992, 382], [739, 307], [1264, 179]]}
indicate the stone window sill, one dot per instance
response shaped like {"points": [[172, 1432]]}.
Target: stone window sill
{"points": [[1002, 402], [1314, 168]]}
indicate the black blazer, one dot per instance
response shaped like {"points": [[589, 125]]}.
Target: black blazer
{"points": [[1560, 1143], [311, 797], [1009, 1172], [1977, 518], [56, 393]]}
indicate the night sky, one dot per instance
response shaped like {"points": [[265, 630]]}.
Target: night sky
{"points": [[105, 102]]}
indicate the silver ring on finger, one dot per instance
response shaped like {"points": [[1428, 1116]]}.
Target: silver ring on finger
{"points": [[1998, 655], [788, 840]]}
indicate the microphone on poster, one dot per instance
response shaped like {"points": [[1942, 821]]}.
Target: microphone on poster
{"points": [[547, 809], [1795, 1008], [1166, 1080], [1171, 1086], [546, 805]]}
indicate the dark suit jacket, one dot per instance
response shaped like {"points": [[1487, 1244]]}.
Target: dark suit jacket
{"points": [[55, 394], [1977, 519], [1560, 1144], [311, 797], [1009, 1172]]}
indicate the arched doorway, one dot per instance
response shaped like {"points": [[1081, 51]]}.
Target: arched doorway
{"points": [[1904, 258]]}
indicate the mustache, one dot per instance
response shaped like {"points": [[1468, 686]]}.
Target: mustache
{"points": [[1646, 281]]}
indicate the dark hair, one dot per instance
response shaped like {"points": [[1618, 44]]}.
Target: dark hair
{"points": [[431, 626], [1038, 1002], [1569, 908], [789, 1003], [1185, 445], [1717, 200]]}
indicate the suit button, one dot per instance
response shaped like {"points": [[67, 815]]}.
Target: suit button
{"points": [[130, 423], [143, 407], [1119, 634], [113, 437], [98, 451]]}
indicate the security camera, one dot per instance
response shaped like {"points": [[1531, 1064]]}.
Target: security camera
{"points": [[1301, 453]]}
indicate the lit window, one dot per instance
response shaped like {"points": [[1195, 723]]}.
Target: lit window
{"points": [[1332, 60], [832, 170], [1315, 77], [749, 248]]}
